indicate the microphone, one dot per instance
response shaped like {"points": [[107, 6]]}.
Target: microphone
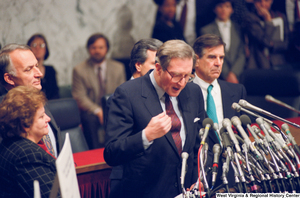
{"points": [[247, 105], [271, 99], [207, 123], [280, 141], [286, 128], [227, 124], [238, 108], [246, 122], [237, 123], [216, 128], [184, 156], [217, 152]]}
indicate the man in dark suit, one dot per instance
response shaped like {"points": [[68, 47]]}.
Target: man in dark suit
{"points": [[210, 55], [223, 26], [18, 66], [141, 135]]}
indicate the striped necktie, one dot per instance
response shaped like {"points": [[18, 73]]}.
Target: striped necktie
{"points": [[176, 124]]}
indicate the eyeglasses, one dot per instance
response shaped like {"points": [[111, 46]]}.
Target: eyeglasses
{"points": [[42, 45], [178, 78]]}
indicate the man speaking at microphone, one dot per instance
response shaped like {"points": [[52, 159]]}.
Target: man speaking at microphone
{"points": [[151, 122], [217, 94]]}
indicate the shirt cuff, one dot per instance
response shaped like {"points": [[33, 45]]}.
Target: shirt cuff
{"points": [[146, 143]]}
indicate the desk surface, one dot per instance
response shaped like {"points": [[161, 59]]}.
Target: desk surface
{"points": [[91, 160]]}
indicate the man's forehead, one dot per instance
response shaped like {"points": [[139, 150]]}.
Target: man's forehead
{"points": [[23, 57], [212, 50]]}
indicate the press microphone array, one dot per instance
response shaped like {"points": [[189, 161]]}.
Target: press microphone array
{"points": [[269, 164]]}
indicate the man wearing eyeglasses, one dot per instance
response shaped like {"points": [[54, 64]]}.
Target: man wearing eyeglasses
{"points": [[151, 122]]}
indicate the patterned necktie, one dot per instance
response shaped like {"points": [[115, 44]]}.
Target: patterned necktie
{"points": [[47, 142], [211, 107], [176, 124], [101, 83], [183, 15]]}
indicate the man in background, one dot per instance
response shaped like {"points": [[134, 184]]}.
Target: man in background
{"points": [[92, 79], [18, 66], [217, 94], [223, 26]]}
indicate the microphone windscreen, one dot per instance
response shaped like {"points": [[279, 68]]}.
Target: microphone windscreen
{"points": [[245, 120], [207, 121]]}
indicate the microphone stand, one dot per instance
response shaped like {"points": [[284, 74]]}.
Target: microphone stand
{"points": [[253, 186]]}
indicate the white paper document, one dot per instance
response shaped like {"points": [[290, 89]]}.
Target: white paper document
{"points": [[66, 172]]}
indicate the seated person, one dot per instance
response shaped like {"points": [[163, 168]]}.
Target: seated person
{"points": [[234, 61], [39, 47], [166, 28], [267, 32], [23, 123]]}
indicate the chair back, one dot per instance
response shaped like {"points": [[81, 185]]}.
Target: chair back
{"points": [[66, 114], [282, 85]]}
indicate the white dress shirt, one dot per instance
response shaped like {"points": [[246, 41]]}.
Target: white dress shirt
{"points": [[189, 32], [224, 29], [215, 92], [160, 93]]}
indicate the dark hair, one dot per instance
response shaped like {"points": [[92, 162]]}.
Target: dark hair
{"points": [[92, 39], [38, 35], [139, 51], [6, 65], [160, 2], [207, 41], [18, 108], [223, 1]]}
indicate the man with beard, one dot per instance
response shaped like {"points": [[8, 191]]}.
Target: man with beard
{"points": [[92, 79]]}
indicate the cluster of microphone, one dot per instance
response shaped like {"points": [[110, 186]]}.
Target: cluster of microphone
{"points": [[269, 164]]}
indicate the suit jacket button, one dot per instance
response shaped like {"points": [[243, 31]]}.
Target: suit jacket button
{"points": [[175, 184]]}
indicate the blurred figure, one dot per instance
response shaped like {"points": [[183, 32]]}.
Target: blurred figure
{"points": [[92, 79], [166, 27], [234, 61], [23, 123], [268, 36], [39, 47], [143, 56]]}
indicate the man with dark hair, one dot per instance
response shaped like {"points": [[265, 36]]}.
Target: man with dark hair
{"points": [[217, 94], [143, 56], [151, 122], [92, 79], [19, 67], [210, 55], [230, 32]]}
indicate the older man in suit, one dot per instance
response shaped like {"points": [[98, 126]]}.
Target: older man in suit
{"points": [[18, 66], [235, 60], [218, 94], [92, 79], [151, 122]]}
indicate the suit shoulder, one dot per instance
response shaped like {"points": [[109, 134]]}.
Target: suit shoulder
{"points": [[114, 62], [81, 66], [207, 29]]}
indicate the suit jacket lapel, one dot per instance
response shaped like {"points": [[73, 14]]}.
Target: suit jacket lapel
{"points": [[185, 110], [226, 99], [153, 105]]}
